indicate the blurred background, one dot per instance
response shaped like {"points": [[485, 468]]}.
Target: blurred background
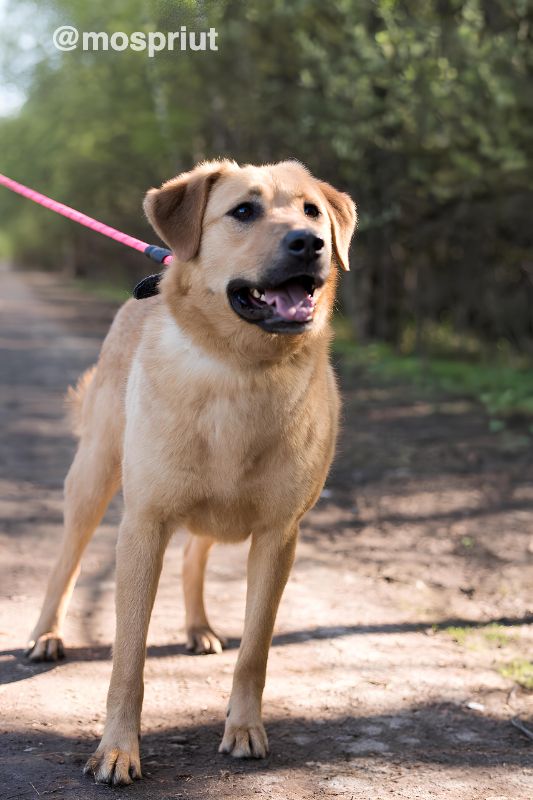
{"points": [[422, 111], [403, 645]]}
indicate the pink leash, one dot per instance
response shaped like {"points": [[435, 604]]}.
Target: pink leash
{"points": [[159, 254]]}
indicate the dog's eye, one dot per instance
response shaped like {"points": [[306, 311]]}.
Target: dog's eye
{"points": [[245, 212], [310, 210]]}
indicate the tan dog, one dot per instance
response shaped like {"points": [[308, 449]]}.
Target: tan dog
{"points": [[215, 405]]}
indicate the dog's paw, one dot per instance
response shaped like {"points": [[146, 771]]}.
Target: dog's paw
{"points": [[202, 640], [244, 741], [47, 647], [114, 765]]}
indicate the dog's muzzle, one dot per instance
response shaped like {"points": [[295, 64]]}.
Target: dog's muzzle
{"points": [[284, 300]]}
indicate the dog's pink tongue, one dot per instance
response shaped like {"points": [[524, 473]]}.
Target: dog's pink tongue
{"points": [[291, 302]]}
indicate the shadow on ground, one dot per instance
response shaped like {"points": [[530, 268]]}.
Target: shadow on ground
{"points": [[13, 661], [187, 758]]}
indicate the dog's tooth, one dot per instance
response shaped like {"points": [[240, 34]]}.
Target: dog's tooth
{"points": [[262, 297], [257, 294]]}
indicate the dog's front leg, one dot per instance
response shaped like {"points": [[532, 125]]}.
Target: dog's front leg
{"points": [[201, 637], [269, 564], [140, 549]]}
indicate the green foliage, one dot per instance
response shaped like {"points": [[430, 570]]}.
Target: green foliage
{"points": [[421, 110], [496, 635], [503, 386], [458, 634], [520, 671], [493, 636]]}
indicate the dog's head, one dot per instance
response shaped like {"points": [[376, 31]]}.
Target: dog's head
{"points": [[254, 250]]}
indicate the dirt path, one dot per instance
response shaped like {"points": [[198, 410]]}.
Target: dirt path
{"points": [[426, 523]]}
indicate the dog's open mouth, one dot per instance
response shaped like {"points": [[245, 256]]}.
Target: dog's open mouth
{"points": [[285, 308]]}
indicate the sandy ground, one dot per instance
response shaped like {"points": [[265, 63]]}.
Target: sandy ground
{"points": [[426, 523]]}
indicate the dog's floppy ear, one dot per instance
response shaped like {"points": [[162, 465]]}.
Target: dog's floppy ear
{"points": [[343, 217], [176, 210]]}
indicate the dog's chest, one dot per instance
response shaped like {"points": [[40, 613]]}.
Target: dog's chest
{"points": [[213, 433], [230, 434], [226, 448]]}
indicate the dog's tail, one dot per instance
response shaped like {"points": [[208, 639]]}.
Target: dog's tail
{"points": [[75, 397]]}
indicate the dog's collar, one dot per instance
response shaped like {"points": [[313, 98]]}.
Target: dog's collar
{"points": [[148, 287]]}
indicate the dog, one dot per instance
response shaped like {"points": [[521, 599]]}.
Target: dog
{"points": [[215, 406]]}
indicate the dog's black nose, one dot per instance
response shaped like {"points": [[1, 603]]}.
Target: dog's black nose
{"points": [[303, 245]]}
